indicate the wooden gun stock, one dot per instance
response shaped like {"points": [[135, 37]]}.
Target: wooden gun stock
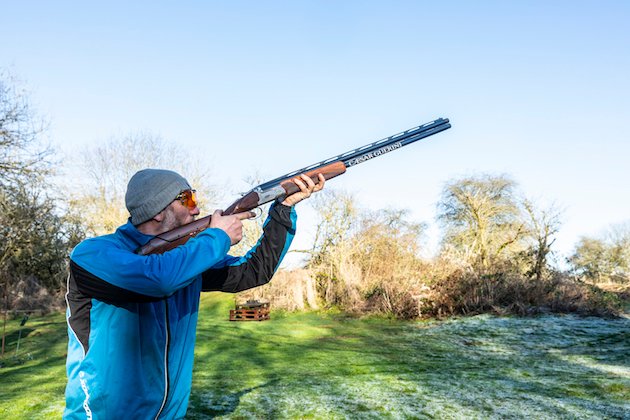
{"points": [[174, 238]]}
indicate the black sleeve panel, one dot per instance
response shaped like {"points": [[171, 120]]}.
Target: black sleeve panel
{"points": [[261, 262], [80, 307], [94, 287]]}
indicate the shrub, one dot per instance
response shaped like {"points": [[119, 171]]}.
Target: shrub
{"points": [[466, 293], [289, 290]]}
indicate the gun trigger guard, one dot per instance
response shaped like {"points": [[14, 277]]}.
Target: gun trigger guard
{"points": [[258, 211]]}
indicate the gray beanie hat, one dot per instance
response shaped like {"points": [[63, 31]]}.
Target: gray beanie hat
{"points": [[150, 191]]}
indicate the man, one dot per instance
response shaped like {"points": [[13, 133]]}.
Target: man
{"points": [[132, 318]]}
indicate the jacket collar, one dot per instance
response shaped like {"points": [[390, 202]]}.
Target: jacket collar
{"points": [[131, 235]]}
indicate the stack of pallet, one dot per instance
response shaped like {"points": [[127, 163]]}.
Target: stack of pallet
{"points": [[252, 310]]}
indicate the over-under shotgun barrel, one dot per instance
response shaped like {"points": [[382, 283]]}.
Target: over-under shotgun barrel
{"points": [[283, 185]]}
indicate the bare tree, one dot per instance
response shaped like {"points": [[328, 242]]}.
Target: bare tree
{"points": [[544, 224], [337, 276], [106, 168], [252, 228], [619, 239], [366, 260], [482, 218], [338, 216], [387, 244], [22, 153], [604, 259]]}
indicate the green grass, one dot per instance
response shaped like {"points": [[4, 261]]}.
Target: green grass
{"points": [[32, 382], [313, 365]]}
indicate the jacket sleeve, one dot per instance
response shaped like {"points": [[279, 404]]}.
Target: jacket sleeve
{"points": [[109, 272], [235, 274]]}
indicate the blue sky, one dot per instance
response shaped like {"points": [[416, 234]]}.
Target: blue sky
{"points": [[536, 90]]}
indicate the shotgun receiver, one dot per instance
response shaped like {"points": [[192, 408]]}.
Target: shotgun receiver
{"points": [[282, 186]]}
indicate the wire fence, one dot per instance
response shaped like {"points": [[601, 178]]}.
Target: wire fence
{"points": [[5, 315]]}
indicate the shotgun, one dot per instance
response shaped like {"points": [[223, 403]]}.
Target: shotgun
{"points": [[283, 185]]}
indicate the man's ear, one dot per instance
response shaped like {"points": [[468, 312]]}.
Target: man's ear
{"points": [[159, 217]]}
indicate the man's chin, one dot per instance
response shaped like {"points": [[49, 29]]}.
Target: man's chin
{"points": [[187, 221]]}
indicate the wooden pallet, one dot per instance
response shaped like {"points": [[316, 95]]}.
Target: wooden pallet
{"points": [[250, 311]]}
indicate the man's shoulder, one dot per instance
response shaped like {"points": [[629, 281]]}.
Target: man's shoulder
{"points": [[91, 245], [110, 238]]}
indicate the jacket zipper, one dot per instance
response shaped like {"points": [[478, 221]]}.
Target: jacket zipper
{"points": [[168, 340]]}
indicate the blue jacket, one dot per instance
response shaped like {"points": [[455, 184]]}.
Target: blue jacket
{"points": [[132, 319]]}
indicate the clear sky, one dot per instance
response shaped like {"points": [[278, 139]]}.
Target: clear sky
{"points": [[536, 90]]}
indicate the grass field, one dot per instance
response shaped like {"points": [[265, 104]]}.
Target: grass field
{"points": [[311, 365]]}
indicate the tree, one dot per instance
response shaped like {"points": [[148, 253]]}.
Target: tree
{"points": [[338, 216], [482, 219], [329, 257], [106, 169], [590, 259], [22, 156], [252, 228], [366, 260], [387, 244], [34, 236], [606, 258], [544, 224], [35, 241], [619, 238]]}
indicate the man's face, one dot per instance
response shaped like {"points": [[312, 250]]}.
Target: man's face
{"points": [[176, 215]]}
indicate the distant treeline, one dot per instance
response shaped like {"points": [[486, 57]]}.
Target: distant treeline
{"points": [[495, 255]]}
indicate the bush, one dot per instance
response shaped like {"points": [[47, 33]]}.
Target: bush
{"points": [[289, 290], [466, 293], [369, 263], [28, 294]]}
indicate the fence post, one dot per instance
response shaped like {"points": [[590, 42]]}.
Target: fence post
{"points": [[4, 330]]}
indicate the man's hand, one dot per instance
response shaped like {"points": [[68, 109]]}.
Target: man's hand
{"points": [[307, 187], [232, 225]]}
